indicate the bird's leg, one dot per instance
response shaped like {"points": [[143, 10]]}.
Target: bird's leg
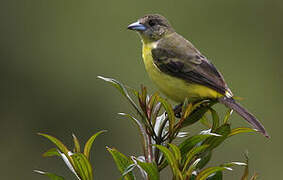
{"points": [[178, 110]]}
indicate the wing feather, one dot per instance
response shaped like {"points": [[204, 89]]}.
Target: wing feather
{"points": [[187, 63]]}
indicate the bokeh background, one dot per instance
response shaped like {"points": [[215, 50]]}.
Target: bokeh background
{"points": [[51, 52]]}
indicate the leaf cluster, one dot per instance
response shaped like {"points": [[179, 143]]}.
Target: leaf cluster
{"points": [[159, 124], [77, 161]]}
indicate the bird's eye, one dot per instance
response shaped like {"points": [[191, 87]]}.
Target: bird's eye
{"points": [[151, 23]]}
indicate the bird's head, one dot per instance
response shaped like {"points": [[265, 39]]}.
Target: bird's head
{"points": [[152, 27]]}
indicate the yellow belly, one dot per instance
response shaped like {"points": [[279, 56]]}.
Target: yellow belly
{"points": [[175, 88]]}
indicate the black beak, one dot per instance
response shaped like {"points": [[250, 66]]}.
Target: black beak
{"points": [[136, 26]]}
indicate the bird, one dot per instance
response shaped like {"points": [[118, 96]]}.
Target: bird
{"points": [[180, 70]]}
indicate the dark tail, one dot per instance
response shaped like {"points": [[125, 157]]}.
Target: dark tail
{"points": [[231, 103]]}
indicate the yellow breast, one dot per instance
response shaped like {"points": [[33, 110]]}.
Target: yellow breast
{"points": [[175, 88]]}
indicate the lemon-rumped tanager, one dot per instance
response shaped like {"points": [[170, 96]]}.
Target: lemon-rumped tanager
{"points": [[180, 71]]}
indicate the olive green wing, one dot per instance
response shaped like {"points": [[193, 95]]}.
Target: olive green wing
{"points": [[190, 66]]}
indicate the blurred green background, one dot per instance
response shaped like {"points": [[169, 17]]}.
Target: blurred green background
{"points": [[51, 52]]}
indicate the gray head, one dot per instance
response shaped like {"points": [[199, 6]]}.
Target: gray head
{"points": [[152, 27]]}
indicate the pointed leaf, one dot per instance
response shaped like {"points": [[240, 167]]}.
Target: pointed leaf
{"points": [[185, 105], [205, 122], [130, 168], [215, 141], [150, 169], [155, 112], [205, 158], [51, 152], [215, 119], [69, 162], [231, 164], [208, 171], [141, 129], [245, 176], [170, 113], [216, 176], [190, 142], [187, 110], [193, 166], [192, 153], [150, 107], [88, 144], [50, 175], [142, 96], [122, 162], [176, 151], [153, 100], [82, 166], [171, 160], [123, 90], [77, 148], [227, 116], [197, 113], [116, 84], [241, 130], [62, 148], [57, 142]]}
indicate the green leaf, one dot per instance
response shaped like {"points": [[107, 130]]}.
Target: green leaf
{"points": [[141, 129], [204, 174], [176, 151], [227, 116], [152, 100], [231, 164], [171, 160], [170, 113], [57, 142], [197, 113], [189, 172], [130, 168], [193, 177], [190, 142], [77, 148], [88, 144], [216, 176], [208, 171], [123, 90], [142, 96], [245, 176], [205, 158], [155, 112], [204, 121], [122, 162], [192, 153], [117, 85], [241, 130], [50, 175], [51, 152], [151, 108], [186, 110], [150, 169], [82, 166], [215, 141], [185, 105], [215, 119]]}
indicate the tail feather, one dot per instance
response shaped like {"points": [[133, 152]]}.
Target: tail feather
{"points": [[231, 103]]}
